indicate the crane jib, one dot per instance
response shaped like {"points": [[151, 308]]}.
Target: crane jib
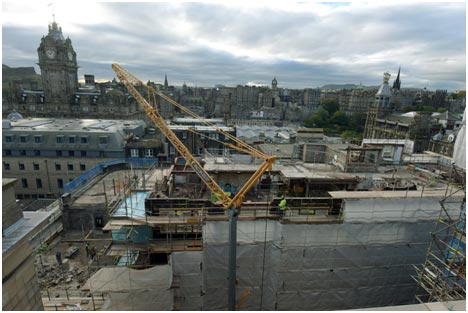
{"points": [[200, 172]]}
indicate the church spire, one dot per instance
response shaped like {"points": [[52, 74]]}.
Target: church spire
{"points": [[397, 82], [166, 84]]}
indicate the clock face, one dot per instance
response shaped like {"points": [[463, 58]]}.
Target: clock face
{"points": [[50, 54], [70, 56]]}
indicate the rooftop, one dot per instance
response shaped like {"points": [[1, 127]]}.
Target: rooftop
{"points": [[22, 228], [45, 124], [8, 181]]}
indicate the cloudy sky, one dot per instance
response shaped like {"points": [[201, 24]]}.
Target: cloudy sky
{"points": [[306, 44]]}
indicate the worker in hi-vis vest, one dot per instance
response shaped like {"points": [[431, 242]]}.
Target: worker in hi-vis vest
{"points": [[282, 206]]}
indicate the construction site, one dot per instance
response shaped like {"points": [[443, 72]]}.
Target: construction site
{"points": [[245, 231]]}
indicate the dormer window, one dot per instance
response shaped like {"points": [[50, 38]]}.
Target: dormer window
{"points": [[103, 140]]}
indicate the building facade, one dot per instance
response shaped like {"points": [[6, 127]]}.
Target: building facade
{"points": [[45, 154], [20, 288]]}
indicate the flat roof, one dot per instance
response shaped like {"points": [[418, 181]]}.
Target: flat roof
{"points": [[200, 127], [22, 228], [292, 171], [230, 167], [392, 194], [313, 171], [58, 124]]}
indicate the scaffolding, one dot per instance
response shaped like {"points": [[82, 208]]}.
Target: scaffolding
{"points": [[442, 277]]}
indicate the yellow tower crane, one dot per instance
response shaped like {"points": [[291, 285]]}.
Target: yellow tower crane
{"points": [[234, 204]]}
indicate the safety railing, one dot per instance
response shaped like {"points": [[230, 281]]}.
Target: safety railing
{"points": [[101, 167]]}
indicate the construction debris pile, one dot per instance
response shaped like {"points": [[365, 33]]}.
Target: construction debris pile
{"points": [[51, 274]]}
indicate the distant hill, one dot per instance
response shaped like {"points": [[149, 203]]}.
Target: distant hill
{"points": [[26, 76]]}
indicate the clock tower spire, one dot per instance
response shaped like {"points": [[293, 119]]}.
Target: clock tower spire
{"points": [[59, 69]]}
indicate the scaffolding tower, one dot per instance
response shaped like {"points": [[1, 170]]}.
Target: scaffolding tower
{"points": [[442, 276]]}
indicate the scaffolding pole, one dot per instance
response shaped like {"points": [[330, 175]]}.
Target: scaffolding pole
{"points": [[442, 277]]}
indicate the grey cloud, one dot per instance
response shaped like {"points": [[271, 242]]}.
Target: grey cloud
{"points": [[427, 39]]}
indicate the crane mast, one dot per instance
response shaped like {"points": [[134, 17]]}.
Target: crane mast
{"points": [[231, 204]]}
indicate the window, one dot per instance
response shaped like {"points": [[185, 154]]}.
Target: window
{"points": [[58, 153], [37, 139], [36, 166], [83, 153], [84, 140], [70, 166], [37, 152], [103, 140], [148, 153], [71, 139], [71, 153], [24, 138], [184, 135], [24, 182], [7, 152], [59, 139], [8, 138], [82, 167], [134, 153], [58, 166], [38, 183], [6, 166], [21, 166], [23, 152], [59, 183]]}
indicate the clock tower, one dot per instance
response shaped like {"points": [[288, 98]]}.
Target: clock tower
{"points": [[59, 69]]}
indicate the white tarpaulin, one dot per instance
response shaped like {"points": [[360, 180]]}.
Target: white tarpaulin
{"points": [[130, 289], [459, 150]]}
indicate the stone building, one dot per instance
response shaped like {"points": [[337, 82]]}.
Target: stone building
{"points": [[61, 94], [59, 70], [46, 154], [311, 98], [380, 108], [20, 289], [199, 138], [356, 100]]}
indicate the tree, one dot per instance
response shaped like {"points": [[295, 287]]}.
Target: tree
{"points": [[318, 119], [339, 118], [351, 136], [339, 121], [357, 122], [331, 105]]}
